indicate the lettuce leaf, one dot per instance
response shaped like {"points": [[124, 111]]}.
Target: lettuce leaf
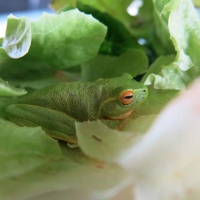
{"points": [[32, 166], [33, 44], [8, 91], [117, 10], [184, 27], [118, 38], [112, 66], [18, 46]]}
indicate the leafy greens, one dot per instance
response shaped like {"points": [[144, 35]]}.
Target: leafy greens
{"points": [[86, 40]]}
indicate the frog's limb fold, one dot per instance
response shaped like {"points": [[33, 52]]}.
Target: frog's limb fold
{"points": [[55, 123]]}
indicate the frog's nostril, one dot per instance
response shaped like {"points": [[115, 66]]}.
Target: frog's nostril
{"points": [[144, 90]]}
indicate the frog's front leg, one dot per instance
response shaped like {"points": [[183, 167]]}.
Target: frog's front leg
{"points": [[55, 123]]}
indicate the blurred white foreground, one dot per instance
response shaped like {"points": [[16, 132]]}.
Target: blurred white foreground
{"points": [[165, 165]]}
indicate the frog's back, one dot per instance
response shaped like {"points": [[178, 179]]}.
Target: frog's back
{"points": [[73, 98]]}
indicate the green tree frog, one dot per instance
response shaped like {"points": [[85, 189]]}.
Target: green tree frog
{"points": [[56, 108]]}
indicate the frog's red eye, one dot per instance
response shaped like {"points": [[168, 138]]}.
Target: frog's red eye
{"points": [[127, 97]]}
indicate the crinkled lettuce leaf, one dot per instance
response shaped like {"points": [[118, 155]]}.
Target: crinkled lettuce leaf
{"points": [[118, 38], [52, 40], [183, 25]]}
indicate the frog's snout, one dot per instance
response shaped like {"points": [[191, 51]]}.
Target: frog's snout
{"points": [[144, 93]]}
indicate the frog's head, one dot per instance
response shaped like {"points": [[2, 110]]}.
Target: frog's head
{"points": [[123, 95]]}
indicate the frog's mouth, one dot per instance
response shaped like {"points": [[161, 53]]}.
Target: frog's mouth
{"points": [[123, 116]]}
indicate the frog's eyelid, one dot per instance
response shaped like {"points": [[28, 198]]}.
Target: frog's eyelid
{"points": [[127, 97]]}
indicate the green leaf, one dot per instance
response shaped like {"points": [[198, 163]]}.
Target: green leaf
{"points": [[103, 143], [52, 44], [196, 3], [70, 46], [7, 91], [118, 38], [142, 25], [141, 123], [32, 165], [24, 149], [133, 61], [1, 41], [172, 79], [58, 5], [117, 10], [157, 100], [184, 28], [17, 45], [157, 65], [161, 28], [30, 78]]}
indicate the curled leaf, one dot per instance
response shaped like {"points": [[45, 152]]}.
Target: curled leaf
{"points": [[7, 91]]}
